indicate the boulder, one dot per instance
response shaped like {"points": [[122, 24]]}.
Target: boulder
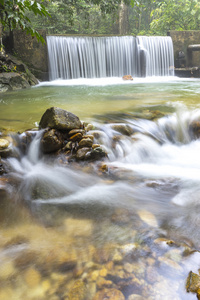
{"points": [[127, 77], [112, 294], [124, 129], [95, 154], [194, 129], [6, 148], [85, 142], [193, 283], [60, 119], [51, 141], [4, 144], [14, 75]]}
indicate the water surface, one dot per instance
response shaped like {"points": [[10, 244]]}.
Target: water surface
{"points": [[129, 223]]}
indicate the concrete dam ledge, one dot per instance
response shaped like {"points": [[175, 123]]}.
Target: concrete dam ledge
{"points": [[186, 52]]}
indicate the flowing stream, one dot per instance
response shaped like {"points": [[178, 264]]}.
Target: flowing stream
{"points": [[128, 224]]}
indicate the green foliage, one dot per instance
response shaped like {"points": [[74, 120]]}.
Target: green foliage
{"points": [[176, 15], [145, 17], [13, 14]]}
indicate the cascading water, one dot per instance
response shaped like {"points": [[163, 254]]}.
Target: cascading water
{"points": [[159, 60], [95, 57], [152, 175]]}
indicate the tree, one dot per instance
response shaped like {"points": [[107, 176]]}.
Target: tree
{"points": [[176, 15], [13, 14]]}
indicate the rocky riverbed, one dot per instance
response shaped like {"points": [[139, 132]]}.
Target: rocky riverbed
{"points": [[58, 247]]}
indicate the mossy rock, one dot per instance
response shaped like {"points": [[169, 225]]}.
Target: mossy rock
{"points": [[60, 119]]}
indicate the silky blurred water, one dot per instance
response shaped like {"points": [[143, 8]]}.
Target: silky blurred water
{"points": [[146, 193]]}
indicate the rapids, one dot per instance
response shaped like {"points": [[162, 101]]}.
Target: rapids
{"points": [[145, 193]]}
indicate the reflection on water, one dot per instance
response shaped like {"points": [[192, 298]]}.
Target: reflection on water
{"points": [[124, 228]]}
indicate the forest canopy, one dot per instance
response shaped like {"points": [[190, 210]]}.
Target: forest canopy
{"points": [[135, 17], [120, 17]]}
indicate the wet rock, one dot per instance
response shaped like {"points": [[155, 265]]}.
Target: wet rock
{"points": [[148, 218], [25, 140], [60, 119], [89, 127], [164, 242], [17, 240], [174, 254], [78, 291], [7, 270], [112, 294], [81, 153], [4, 144], [96, 154], [67, 266], [68, 146], [75, 131], [67, 262], [6, 148], [127, 77], [51, 141], [123, 129], [78, 227], [12, 81], [103, 283], [2, 169], [103, 272], [121, 216], [26, 259], [169, 265], [130, 285], [32, 277], [128, 267], [94, 146], [151, 275], [102, 255], [76, 137], [194, 129], [85, 142], [193, 283], [135, 297]]}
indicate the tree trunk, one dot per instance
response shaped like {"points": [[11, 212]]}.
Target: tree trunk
{"points": [[123, 19]]}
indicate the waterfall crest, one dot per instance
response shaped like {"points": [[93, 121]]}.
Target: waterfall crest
{"points": [[96, 57]]}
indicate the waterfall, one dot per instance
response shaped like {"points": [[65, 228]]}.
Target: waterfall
{"points": [[96, 57], [159, 55]]}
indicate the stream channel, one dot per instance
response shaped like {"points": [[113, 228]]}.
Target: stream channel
{"points": [[127, 227]]}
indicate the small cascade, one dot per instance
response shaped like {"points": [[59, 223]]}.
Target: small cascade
{"points": [[98, 57], [159, 59]]}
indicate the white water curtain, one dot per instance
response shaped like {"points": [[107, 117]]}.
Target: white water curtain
{"points": [[96, 57]]}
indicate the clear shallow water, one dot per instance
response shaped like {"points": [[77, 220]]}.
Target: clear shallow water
{"points": [[130, 224], [87, 97]]}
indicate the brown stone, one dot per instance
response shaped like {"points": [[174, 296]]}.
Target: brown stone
{"points": [[74, 131], [51, 141], [76, 137], [26, 259], [17, 240], [94, 146], [60, 119], [193, 282], [80, 154], [112, 294], [77, 291], [32, 277], [127, 77], [4, 144], [85, 142], [123, 129]]}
